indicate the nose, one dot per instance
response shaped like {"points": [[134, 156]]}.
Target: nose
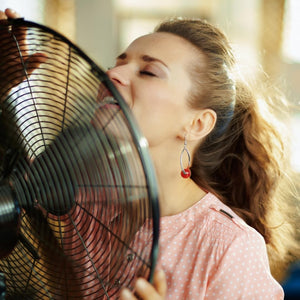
{"points": [[119, 75]]}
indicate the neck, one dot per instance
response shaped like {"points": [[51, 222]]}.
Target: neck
{"points": [[176, 194]]}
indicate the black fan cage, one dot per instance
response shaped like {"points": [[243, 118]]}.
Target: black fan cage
{"points": [[79, 214]]}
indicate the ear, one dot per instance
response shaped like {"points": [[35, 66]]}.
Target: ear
{"points": [[201, 125]]}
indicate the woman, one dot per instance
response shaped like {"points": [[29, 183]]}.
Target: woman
{"points": [[180, 85], [218, 164]]}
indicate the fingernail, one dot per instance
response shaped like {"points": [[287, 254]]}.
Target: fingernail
{"points": [[12, 11], [126, 294], [161, 272], [140, 283]]}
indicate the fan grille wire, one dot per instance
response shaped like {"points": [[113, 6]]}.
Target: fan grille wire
{"points": [[83, 179]]}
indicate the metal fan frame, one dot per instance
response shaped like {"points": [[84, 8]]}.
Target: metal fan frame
{"points": [[137, 136]]}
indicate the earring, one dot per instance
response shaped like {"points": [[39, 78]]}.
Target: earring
{"points": [[185, 172]]}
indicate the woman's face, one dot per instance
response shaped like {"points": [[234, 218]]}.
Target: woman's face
{"points": [[153, 77]]}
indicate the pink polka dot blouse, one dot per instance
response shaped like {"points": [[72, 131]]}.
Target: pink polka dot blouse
{"points": [[208, 252]]}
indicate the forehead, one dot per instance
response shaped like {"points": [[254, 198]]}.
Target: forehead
{"points": [[170, 48]]}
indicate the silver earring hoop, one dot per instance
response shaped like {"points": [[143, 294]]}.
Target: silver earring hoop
{"points": [[185, 172]]}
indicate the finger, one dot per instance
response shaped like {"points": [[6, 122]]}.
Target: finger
{"points": [[13, 71], [127, 295], [12, 13], [3, 16], [34, 61], [160, 282], [146, 290]]}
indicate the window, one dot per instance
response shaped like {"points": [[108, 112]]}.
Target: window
{"points": [[291, 41], [291, 58]]}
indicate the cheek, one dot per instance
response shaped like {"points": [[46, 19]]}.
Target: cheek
{"points": [[159, 105], [164, 98], [159, 118], [155, 107]]}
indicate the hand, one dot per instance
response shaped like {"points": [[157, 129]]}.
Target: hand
{"points": [[144, 290], [9, 13], [11, 65]]}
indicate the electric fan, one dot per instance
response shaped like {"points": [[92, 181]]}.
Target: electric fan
{"points": [[79, 214]]}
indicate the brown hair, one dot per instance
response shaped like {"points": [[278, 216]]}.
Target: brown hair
{"points": [[243, 160]]}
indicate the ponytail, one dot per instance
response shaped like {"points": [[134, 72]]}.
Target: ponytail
{"points": [[247, 168]]}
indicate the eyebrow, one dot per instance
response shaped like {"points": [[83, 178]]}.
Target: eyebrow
{"points": [[145, 58]]}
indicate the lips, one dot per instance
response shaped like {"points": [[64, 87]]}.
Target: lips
{"points": [[108, 100], [105, 99], [105, 111], [103, 92], [120, 88]]}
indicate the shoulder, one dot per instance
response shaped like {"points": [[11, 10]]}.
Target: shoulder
{"points": [[208, 222], [224, 225]]}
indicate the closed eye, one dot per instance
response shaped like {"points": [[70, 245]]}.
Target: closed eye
{"points": [[147, 73]]}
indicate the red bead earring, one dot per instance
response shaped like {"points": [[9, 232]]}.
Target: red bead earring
{"points": [[185, 172]]}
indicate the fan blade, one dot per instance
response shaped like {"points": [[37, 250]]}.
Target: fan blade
{"points": [[55, 175], [11, 148], [9, 221]]}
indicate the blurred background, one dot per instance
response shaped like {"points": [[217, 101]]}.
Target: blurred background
{"points": [[264, 33]]}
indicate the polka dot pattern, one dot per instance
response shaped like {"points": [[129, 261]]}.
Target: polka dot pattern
{"points": [[208, 252]]}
